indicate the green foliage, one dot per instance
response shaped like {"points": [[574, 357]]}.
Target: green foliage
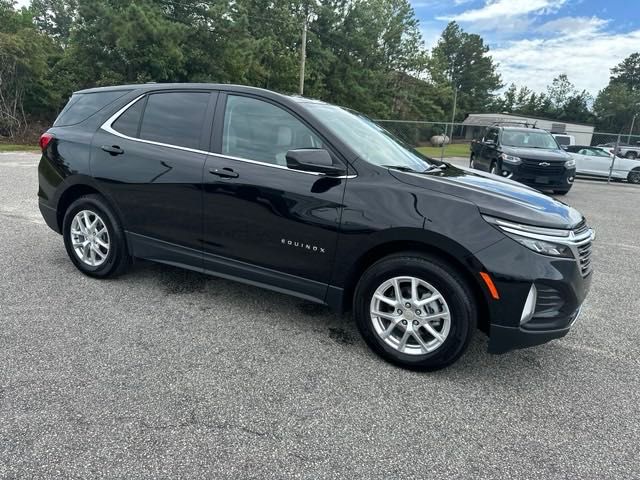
{"points": [[618, 103], [460, 61], [562, 102]]}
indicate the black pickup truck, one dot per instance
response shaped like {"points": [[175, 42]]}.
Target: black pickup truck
{"points": [[526, 154]]}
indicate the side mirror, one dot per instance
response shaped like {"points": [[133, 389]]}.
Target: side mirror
{"points": [[313, 160]]}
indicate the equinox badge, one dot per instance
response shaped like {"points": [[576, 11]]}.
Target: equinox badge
{"points": [[305, 246]]}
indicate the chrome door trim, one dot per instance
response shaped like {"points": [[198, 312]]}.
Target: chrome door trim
{"points": [[107, 127]]}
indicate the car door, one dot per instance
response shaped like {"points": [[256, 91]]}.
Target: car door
{"points": [[264, 222], [582, 160], [595, 161], [489, 148], [149, 159]]}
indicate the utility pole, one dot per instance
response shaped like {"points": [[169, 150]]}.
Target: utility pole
{"points": [[633, 121], [453, 119], [303, 52]]}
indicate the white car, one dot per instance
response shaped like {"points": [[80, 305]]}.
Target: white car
{"points": [[596, 161]]}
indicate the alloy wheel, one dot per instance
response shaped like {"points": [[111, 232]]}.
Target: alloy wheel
{"points": [[410, 315], [90, 238]]}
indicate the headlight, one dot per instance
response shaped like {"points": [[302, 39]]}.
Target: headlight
{"points": [[538, 239], [545, 248], [510, 159], [570, 163]]}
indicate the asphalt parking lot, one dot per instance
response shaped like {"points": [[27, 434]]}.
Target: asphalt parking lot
{"points": [[168, 373]]}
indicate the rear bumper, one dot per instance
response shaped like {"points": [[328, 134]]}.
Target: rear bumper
{"points": [[50, 216]]}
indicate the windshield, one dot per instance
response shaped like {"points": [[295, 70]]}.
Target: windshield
{"points": [[529, 139], [371, 142]]}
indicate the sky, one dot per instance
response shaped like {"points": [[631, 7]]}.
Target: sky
{"points": [[534, 41]]}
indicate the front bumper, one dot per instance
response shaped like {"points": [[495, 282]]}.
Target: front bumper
{"points": [[561, 291], [551, 177]]}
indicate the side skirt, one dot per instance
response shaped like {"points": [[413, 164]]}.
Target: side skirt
{"points": [[148, 248]]}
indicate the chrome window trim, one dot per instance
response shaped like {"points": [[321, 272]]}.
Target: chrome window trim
{"points": [[107, 126]]}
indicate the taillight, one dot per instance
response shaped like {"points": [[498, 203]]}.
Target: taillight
{"points": [[45, 139]]}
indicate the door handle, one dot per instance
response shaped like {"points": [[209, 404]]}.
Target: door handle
{"points": [[225, 172], [113, 149]]}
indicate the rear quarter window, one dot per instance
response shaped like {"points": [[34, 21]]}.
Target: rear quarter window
{"points": [[82, 105]]}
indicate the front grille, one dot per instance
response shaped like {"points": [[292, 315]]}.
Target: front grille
{"points": [[534, 167], [583, 246], [584, 252], [580, 228]]}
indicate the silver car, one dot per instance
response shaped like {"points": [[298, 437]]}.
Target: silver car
{"points": [[596, 162]]}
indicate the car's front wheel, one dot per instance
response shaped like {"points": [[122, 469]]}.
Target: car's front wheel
{"points": [[634, 176], [94, 239], [415, 311], [561, 192]]}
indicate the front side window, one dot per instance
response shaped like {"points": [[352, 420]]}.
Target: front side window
{"points": [[492, 136], [257, 130], [175, 118]]}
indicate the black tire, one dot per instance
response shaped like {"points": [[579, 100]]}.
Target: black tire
{"points": [[561, 192], [117, 259], [634, 176], [631, 155], [447, 280]]}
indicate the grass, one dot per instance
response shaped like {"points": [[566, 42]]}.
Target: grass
{"points": [[12, 147], [455, 150]]}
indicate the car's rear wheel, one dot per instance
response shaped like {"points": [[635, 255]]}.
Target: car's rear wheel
{"points": [[415, 311], [634, 176], [561, 192], [631, 155], [94, 239]]}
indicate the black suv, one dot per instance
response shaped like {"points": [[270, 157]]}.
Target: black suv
{"points": [[526, 154], [310, 199]]}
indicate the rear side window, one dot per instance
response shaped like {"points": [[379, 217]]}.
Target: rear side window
{"points": [[129, 122], [82, 105], [175, 118]]}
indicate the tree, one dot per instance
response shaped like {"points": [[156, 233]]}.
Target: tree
{"points": [[462, 61], [54, 18], [627, 72]]}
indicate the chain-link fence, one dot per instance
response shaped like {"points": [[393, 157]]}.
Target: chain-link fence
{"points": [[453, 140]]}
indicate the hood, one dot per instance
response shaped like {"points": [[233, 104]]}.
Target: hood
{"points": [[537, 153], [496, 196]]}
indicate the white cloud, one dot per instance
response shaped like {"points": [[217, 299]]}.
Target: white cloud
{"points": [[574, 26], [580, 47], [494, 9]]}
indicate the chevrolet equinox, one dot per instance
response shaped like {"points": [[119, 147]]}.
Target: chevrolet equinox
{"points": [[317, 201]]}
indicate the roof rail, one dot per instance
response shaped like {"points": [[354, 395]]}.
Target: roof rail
{"points": [[514, 122]]}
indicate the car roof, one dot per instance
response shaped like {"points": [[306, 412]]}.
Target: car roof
{"points": [[148, 87], [521, 129]]}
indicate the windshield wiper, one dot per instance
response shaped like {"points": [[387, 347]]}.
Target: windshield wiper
{"points": [[402, 168]]}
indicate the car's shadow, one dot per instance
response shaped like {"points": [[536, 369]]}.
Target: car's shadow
{"points": [[475, 365]]}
